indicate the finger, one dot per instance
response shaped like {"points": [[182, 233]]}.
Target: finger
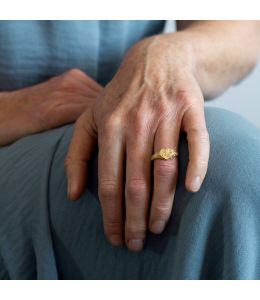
{"points": [[81, 149], [199, 147], [66, 113], [139, 146], [165, 176], [110, 170]]}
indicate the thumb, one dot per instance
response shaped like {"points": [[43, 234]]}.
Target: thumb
{"points": [[82, 147]]}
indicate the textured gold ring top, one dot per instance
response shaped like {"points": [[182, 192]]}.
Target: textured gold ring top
{"points": [[165, 153]]}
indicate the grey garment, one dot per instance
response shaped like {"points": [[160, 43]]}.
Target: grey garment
{"points": [[212, 234]]}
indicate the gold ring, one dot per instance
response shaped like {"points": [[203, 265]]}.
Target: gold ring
{"points": [[165, 153]]}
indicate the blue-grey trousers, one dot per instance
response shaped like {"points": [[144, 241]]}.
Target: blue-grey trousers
{"points": [[212, 234]]}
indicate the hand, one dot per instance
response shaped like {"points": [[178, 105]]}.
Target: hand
{"points": [[56, 102], [152, 98]]}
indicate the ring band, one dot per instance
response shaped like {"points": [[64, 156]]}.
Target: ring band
{"points": [[165, 153]]}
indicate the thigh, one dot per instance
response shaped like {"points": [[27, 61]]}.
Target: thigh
{"points": [[44, 235], [204, 230], [218, 235], [25, 238], [81, 249]]}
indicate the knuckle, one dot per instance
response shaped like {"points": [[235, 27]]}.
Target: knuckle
{"points": [[67, 82], [75, 72], [164, 110], [113, 226], [85, 125], [201, 162], [162, 210], [138, 118], [111, 123], [165, 168], [107, 190], [136, 188], [200, 133], [204, 135], [183, 96], [140, 122], [135, 230]]}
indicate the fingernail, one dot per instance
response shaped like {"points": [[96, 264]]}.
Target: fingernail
{"points": [[115, 240], [195, 184], [157, 227], [135, 244]]}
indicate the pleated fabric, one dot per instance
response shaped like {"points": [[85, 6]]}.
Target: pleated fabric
{"points": [[212, 234], [34, 51]]}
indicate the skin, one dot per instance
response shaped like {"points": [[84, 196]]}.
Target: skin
{"points": [[53, 103], [157, 93]]}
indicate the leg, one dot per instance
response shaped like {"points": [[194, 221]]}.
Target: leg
{"points": [[211, 234], [26, 250], [218, 235]]}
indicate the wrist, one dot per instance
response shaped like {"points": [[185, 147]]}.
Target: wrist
{"points": [[170, 56], [191, 51]]}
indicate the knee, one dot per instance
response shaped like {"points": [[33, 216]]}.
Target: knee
{"points": [[235, 150], [230, 193]]}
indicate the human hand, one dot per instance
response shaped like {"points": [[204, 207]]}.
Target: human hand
{"points": [[47, 105], [153, 98]]}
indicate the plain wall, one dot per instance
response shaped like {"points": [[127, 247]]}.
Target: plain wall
{"points": [[243, 98]]}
